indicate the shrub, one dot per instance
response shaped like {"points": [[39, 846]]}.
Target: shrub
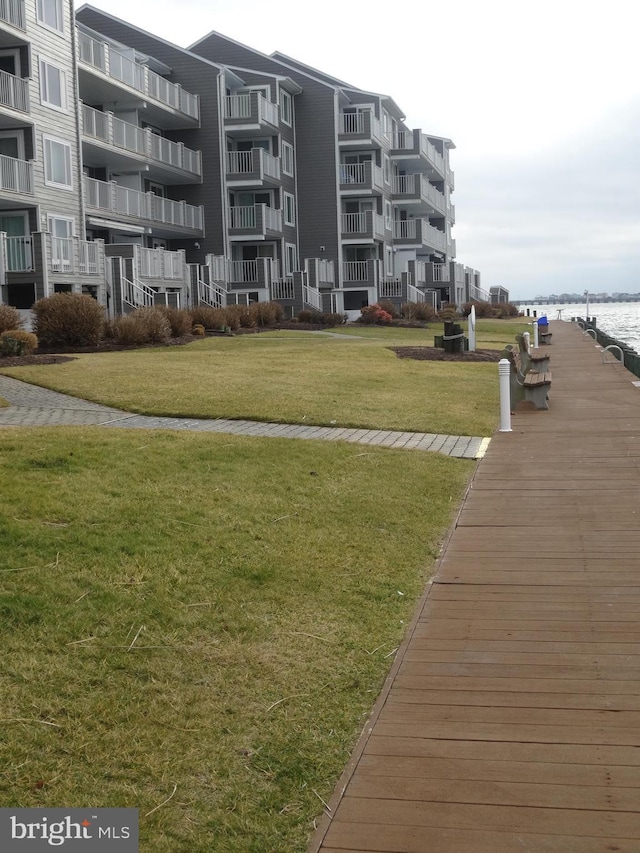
{"points": [[198, 330], [10, 319], [209, 318], [424, 312], [179, 320], [239, 316], [306, 316], [448, 313], [328, 318], [68, 320], [266, 313], [390, 307], [371, 314], [17, 342], [483, 309], [504, 310], [144, 326]]}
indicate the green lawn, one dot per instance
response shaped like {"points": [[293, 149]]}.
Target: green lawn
{"points": [[202, 619], [295, 378]]}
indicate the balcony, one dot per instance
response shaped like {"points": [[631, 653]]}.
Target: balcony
{"points": [[72, 256], [169, 162], [109, 75], [249, 113], [414, 145], [254, 222], [362, 129], [14, 92], [427, 274], [361, 178], [418, 232], [362, 227], [255, 168], [16, 176], [12, 12], [416, 190], [360, 273], [163, 215]]}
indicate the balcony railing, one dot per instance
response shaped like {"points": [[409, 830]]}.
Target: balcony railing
{"points": [[119, 200], [105, 127], [256, 162], [12, 12], [356, 271], [420, 231], [414, 141], [89, 252], [160, 264], [243, 272], [362, 124], [366, 224], [14, 92], [418, 186], [441, 272], [283, 289], [357, 175], [121, 68], [257, 217], [16, 175], [389, 288], [18, 254], [251, 107]]}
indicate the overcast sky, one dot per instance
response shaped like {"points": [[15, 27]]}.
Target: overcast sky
{"points": [[541, 99]]}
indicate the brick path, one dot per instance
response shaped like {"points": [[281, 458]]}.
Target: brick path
{"points": [[35, 406]]}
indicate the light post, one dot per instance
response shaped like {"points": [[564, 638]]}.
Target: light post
{"points": [[586, 293]]}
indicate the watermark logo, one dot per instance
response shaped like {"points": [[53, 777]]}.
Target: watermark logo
{"points": [[69, 830]]}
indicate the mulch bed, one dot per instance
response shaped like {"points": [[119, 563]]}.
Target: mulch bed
{"points": [[61, 354], [437, 354]]}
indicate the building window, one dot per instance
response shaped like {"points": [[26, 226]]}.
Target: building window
{"points": [[290, 259], [285, 107], [53, 83], [50, 13], [289, 209], [57, 163], [287, 158]]}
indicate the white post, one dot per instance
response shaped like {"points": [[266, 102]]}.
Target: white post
{"points": [[527, 341], [504, 369], [472, 329], [536, 343], [586, 293]]}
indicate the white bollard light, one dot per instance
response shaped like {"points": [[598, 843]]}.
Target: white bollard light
{"points": [[504, 369], [527, 341], [536, 343], [472, 329]]}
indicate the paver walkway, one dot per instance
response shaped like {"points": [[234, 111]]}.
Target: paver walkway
{"points": [[511, 718], [34, 406]]}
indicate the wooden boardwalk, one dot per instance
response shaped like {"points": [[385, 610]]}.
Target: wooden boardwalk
{"points": [[511, 718]]}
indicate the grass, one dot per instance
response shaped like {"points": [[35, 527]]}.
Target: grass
{"points": [[293, 378], [205, 616]]}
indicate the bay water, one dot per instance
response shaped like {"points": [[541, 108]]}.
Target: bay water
{"points": [[621, 320]]}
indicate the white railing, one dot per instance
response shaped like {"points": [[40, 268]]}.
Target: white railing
{"points": [[403, 140], [159, 263], [417, 184], [115, 64], [353, 173], [404, 229], [355, 271], [243, 271], [12, 11], [243, 217], [19, 254], [136, 294], [217, 265], [211, 294], [62, 254], [89, 257], [256, 160], [16, 175], [124, 201], [282, 289], [129, 137], [272, 218], [451, 248], [363, 223], [14, 92], [415, 295], [242, 107], [352, 123], [433, 236], [477, 294], [312, 297], [432, 155], [441, 272], [390, 287], [326, 273]]}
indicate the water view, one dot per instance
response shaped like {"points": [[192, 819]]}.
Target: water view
{"points": [[621, 320]]}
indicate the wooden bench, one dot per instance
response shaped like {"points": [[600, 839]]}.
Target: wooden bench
{"points": [[544, 335], [529, 384]]}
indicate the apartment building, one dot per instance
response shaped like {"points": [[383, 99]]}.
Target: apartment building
{"points": [[144, 173]]}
